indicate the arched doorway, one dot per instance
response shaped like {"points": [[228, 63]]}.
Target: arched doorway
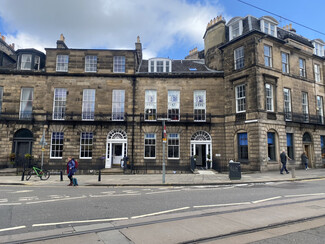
{"points": [[116, 147], [201, 148], [22, 144], [307, 144]]}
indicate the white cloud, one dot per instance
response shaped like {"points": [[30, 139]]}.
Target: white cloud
{"points": [[108, 23]]}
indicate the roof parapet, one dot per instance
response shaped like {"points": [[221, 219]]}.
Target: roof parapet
{"points": [[215, 20]]}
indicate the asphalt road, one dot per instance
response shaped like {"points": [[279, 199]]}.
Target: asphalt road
{"points": [[25, 209]]}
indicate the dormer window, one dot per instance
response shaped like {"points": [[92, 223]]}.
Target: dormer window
{"points": [[26, 62], [319, 47], [160, 65], [37, 62], [235, 28], [269, 25]]}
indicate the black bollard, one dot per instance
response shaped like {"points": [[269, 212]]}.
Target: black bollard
{"points": [[23, 175], [99, 176], [61, 175]]}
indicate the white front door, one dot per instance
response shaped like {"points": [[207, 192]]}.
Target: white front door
{"points": [[117, 153]]}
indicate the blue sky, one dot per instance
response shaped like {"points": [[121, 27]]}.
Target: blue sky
{"points": [[168, 28]]}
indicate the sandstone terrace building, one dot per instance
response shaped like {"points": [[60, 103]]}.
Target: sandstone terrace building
{"points": [[254, 90]]}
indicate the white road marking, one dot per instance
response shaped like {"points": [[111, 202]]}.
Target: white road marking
{"points": [[158, 192], [158, 213], [56, 200], [10, 204], [13, 228], [108, 192], [117, 195], [79, 222], [306, 195], [229, 187], [222, 205], [58, 196], [4, 200], [33, 198], [266, 199], [23, 191]]}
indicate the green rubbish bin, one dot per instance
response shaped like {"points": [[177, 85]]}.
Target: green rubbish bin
{"points": [[234, 170]]}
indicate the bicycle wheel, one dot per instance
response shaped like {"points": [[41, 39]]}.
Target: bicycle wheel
{"points": [[45, 175], [29, 174]]}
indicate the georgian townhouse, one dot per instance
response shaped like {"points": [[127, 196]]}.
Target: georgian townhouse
{"points": [[255, 89]]}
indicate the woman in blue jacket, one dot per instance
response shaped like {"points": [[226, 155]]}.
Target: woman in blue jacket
{"points": [[71, 169]]}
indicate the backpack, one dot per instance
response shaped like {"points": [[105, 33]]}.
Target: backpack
{"points": [[76, 164]]}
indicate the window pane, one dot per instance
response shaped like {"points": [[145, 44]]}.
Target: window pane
{"points": [[88, 104], [86, 144], [26, 103], [57, 144], [119, 64], [60, 96], [118, 104], [150, 105]]}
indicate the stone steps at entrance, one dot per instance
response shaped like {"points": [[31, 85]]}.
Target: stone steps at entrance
{"points": [[114, 170], [205, 172]]}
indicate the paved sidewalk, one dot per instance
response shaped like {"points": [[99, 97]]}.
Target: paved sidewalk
{"points": [[205, 178]]}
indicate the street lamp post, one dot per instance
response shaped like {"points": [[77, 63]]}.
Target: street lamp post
{"points": [[43, 144], [164, 141]]}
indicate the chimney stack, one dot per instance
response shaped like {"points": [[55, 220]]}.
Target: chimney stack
{"points": [[60, 44]]}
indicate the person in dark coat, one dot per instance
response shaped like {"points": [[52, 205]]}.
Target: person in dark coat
{"points": [[71, 169], [304, 160], [283, 158]]}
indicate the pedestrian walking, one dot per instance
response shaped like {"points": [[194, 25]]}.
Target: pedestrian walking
{"points": [[71, 169], [283, 158], [304, 160]]}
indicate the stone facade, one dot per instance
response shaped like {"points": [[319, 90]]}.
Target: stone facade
{"points": [[245, 113]]}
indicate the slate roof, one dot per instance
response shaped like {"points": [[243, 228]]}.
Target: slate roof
{"points": [[281, 33]]}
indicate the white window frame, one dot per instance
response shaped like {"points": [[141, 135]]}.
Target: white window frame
{"points": [[305, 110], [302, 67], [235, 31], [24, 64], [287, 103], [26, 103], [88, 104], [37, 62], [59, 105], [269, 27], [119, 64], [91, 63], [159, 65], [148, 143], [285, 62], [239, 58], [150, 105], [62, 63], [317, 72], [269, 99], [173, 110], [240, 98], [173, 143], [199, 104], [56, 143], [118, 105], [319, 49], [319, 108], [86, 144], [268, 58]]}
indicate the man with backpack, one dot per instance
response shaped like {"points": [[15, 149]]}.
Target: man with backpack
{"points": [[71, 170]]}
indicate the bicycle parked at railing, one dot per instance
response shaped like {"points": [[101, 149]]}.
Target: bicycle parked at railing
{"points": [[41, 173]]}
